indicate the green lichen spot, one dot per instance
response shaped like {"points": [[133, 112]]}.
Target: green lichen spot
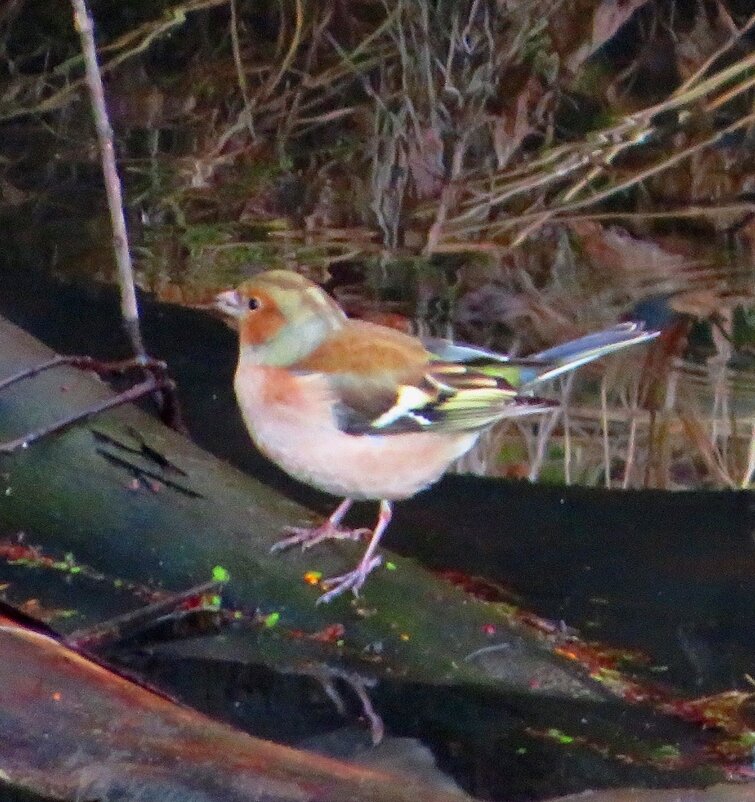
{"points": [[560, 737], [666, 752], [271, 620]]}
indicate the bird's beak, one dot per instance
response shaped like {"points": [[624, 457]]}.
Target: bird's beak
{"points": [[229, 304]]}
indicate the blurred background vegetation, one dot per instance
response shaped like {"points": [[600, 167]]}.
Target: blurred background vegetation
{"points": [[509, 172]]}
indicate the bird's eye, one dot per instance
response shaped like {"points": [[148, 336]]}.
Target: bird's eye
{"points": [[253, 303]]}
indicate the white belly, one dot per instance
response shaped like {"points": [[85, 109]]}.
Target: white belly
{"points": [[297, 431]]}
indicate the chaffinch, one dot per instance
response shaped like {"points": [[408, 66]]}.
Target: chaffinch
{"points": [[366, 412]]}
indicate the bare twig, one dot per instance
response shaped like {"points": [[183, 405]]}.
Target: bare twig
{"points": [[148, 386], [705, 66], [632, 439], [545, 428], [129, 305], [116, 629], [604, 422], [240, 74], [290, 53], [566, 390], [750, 470]]}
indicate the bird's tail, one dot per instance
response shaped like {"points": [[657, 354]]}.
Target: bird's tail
{"points": [[561, 359], [525, 373]]}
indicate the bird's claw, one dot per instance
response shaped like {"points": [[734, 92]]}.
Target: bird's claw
{"points": [[311, 536], [352, 581]]}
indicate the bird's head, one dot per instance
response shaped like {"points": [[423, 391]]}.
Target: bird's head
{"points": [[281, 317]]}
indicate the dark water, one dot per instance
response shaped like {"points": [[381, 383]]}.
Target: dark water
{"points": [[670, 574]]}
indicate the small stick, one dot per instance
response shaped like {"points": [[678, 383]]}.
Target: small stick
{"points": [[84, 363], [240, 75], [157, 380], [115, 629], [604, 424], [631, 444], [29, 372], [146, 387], [129, 305], [750, 470]]}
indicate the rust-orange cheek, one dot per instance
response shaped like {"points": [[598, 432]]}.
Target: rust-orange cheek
{"points": [[261, 325]]}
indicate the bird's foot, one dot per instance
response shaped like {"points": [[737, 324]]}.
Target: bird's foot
{"points": [[352, 581], [310, 536]]}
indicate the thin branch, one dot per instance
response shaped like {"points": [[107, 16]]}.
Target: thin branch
{"points": [[129, 305], [705, 66], [290, 54], [240, 75], [144, 36], [604, 426], [750, 470]]}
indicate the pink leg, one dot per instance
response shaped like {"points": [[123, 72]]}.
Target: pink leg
{"points": [[355, 579], [328, 530]]}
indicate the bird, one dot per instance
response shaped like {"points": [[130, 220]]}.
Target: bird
{"points": [[369, 413]]}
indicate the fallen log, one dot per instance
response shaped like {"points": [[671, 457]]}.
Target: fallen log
{"points": [[73, 729], [122, 511]]}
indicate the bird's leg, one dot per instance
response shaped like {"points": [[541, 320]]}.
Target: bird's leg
{"points": [[330, 529], [354, 580]]}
